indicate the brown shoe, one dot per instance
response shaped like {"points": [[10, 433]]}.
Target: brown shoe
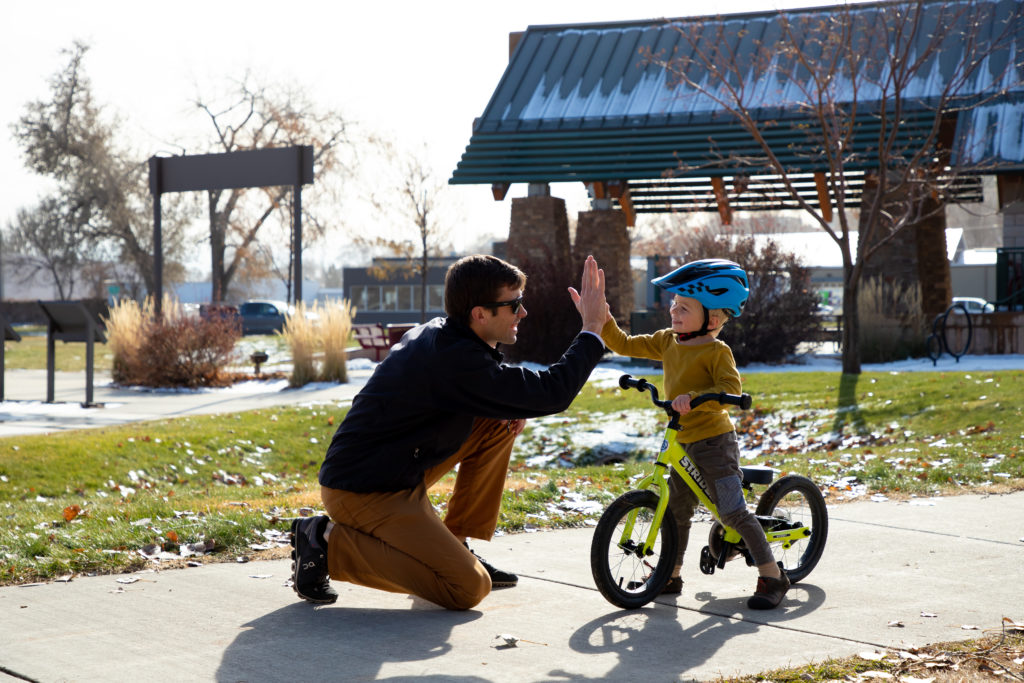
{"points": [[674, 586], [769, 592]]}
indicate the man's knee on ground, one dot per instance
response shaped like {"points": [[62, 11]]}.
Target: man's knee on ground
{"points": [[468, 594]]}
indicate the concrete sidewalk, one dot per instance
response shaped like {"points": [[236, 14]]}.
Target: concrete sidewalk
{"points": [[25, 410], [934, 566]]}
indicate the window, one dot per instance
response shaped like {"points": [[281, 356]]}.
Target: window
{"points": [[405, 298], [389, 297], [435, 297]]}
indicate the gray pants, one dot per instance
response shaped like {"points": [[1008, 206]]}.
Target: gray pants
{"points": [[718, 460]]}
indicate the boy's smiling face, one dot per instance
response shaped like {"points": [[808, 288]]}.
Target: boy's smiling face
{"points": [[687, 314]]}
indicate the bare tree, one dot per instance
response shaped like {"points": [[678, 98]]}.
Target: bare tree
{"points": [[855, 76], [100, 208], [407, 193], [255, 118], [40, 243]]}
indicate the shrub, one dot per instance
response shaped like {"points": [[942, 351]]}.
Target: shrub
{"points": [[335, 324], [892, 326], [125, 325], [300, 334], [174, 350], [186, 351]]}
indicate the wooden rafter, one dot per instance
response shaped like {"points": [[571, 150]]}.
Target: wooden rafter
{"points": [[499, 190], [823, 198], [626, 203], [723, 200]]}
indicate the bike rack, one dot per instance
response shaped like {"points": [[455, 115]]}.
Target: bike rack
{"points": [[941, 342]]}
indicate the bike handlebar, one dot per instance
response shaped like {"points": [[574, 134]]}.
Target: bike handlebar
{"points": [[743, 401]]}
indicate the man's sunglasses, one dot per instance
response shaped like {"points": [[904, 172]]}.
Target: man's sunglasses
{"points": [[515, 305]]}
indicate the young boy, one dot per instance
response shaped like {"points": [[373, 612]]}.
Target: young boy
{"points": [[707, 293]]}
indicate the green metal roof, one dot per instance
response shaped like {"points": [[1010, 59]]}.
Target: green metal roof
{"points": [[579, 103]]}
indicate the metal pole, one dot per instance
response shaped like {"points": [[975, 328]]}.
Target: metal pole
{"points": [[298, 237], [155, 188], [50, 358], [90, 333]]}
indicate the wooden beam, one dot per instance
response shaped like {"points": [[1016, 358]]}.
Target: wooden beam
{"points": [[596, 189], [615, 188], [723, 200], [626, 203], [499, 190], [823, 198]]}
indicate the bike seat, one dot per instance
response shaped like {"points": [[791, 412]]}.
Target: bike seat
{"points": [[756, 474]]}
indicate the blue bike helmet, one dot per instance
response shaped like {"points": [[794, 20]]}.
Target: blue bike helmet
{"points": [[715, 283]]}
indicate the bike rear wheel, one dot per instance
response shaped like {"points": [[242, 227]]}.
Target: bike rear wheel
{"points": [[795, 501], [624, 575]]}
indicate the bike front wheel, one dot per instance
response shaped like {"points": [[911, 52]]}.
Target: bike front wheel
{"points": [[625, 575], [791, 502]]}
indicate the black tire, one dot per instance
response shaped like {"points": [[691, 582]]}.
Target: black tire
{"points": [[623, 577], [792, 500]]}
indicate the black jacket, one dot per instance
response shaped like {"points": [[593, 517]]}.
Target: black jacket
{"points": [[418, 406]]}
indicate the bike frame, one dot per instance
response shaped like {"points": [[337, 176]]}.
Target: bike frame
{"points": [[673, 456]]}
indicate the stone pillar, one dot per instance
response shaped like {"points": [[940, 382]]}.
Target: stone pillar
{"points": [[933, 262], [1011, 207], [916, 254], [604, 234], [538, 243]]}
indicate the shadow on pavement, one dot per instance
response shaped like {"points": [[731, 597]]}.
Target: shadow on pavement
{"points": [[299, 642], [638, 637]]}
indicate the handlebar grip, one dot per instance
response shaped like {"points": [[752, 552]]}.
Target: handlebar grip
{"points": [[628, 382], [742, 400]]}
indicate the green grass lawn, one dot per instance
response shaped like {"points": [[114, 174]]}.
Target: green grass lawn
{"points": [[30, 352], [90, 500]]}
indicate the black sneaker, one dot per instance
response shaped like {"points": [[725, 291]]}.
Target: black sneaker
{"points": [[499, 578], [309, 561]]}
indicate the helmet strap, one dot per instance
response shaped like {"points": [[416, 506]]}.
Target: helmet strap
{"points": [[687, 336]]}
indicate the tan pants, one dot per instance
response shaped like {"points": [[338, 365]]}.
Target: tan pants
{"points": [[396, 541]]}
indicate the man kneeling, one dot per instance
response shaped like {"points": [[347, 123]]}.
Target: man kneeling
{"points": [[441, 398]]}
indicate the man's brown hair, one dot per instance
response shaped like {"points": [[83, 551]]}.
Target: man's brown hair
{"points": [[475, 281]]}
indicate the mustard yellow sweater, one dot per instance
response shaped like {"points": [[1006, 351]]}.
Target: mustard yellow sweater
{"points": [[692, 370]]}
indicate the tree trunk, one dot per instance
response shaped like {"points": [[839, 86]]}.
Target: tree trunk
{"points": [[217, 239], [851, 323]]}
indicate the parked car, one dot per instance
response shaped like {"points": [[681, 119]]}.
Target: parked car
{"points": [[973, 304], [263, 316]]}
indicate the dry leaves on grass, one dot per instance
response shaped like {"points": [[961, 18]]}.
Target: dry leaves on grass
{"points": [[998, 656]]}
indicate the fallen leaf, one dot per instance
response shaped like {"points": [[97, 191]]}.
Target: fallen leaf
{"points": [[930, 615], [128, 579], [968, 627], [71, 511], [895, 624], [877, 674], [172, 536], [64, 579]]}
